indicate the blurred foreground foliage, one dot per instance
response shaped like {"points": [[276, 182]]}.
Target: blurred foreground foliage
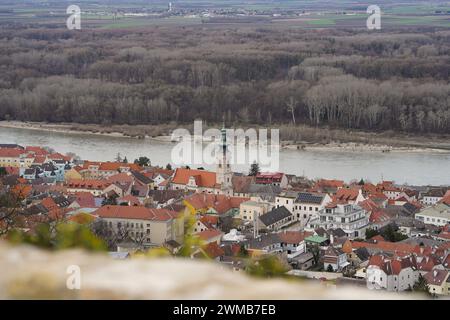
{"points": [[266, 266], [60, 236]]}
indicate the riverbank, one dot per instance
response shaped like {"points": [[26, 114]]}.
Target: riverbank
{"points": [[317, 139]]}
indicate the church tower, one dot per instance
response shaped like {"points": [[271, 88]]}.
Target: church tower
{"points": [[223, 171]]}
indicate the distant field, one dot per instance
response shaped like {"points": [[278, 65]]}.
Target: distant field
{"points": [[142, 22], [319, 13]]}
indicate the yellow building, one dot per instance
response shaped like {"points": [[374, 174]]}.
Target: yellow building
{"points": [[11, 158]]}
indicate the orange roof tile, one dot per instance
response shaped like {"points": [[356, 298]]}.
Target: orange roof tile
{"points": [[49, 204], [213, 250], [349, 194], [89, 184], [209, 234], [220, 203], [11, 153], [203, 178]]}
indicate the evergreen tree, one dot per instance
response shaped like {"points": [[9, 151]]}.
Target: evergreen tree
{"points": [[143, 161], [254, 169]]}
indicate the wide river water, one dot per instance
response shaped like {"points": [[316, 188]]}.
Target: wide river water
{"points": [[415, 168]]}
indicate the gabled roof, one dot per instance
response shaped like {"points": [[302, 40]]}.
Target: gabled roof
{"points": [[203, 178], [129, 199], [334, 252], [325, 184], [141, 177], [209, 234], [264, 241], [84, 199], [436, 277], [162, 196], [393, 266], [122, 177], [345, 194], [293, 237], [220, 203], [274, 216]]}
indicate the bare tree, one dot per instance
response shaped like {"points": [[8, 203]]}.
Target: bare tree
{"points": [[291, 106]]}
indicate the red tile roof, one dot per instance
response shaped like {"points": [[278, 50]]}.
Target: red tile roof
{"points": [[58, 156], [379, 216], [85, 199], [203, 178], [213, 250], [392, 266], [89, 184], [218, 202], [11, 153], [49, 204], [294, 237], [344, 194], [209, 234], [369, 205], [121, 177], [436, 277], [209, 220], [40, 159], [391, 247], [37, 150], [12, 170], [132, 200], [111, 166]]}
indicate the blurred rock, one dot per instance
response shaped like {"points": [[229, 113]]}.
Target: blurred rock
{"points": [[30, 273]]}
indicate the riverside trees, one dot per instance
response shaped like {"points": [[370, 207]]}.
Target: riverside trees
{"points": [[397, 80]]}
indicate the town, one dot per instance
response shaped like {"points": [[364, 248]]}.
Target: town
{"points": [[376, 235]]}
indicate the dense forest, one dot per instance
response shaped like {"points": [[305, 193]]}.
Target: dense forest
{"points": [[252, 75]]}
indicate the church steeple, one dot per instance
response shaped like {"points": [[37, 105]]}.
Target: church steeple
{"points": [[223, 172]]}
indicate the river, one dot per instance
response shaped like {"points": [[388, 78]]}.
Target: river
{"points": [[415, 168]]}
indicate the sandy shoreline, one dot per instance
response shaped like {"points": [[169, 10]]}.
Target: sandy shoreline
{"points": [[334, 146]]}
